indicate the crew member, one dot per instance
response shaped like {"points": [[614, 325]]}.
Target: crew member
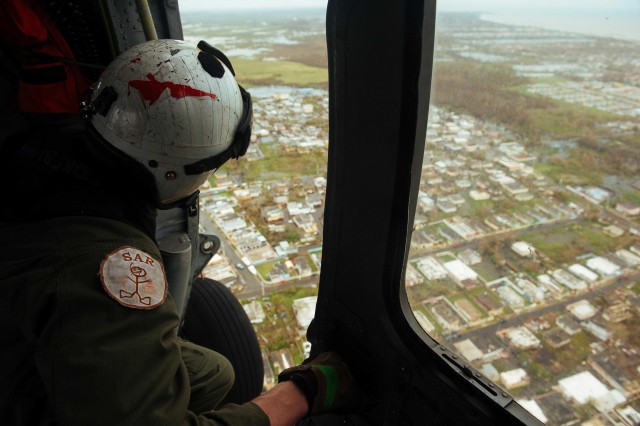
{"points": [[87, 325]]}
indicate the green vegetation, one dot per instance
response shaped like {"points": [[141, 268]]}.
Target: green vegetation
{"points": [[483, 90], [565, 244], [487, 270], [291, 235], [536, 369], [633, 197], [572, 354], [311, 50], [277, 163], [551, 79], [568, 172], [595, 240], [446, 257], [567, 120], [280, 329], [264, 269], [478, 208], [494, 92], [561, 245], [259, 73]]}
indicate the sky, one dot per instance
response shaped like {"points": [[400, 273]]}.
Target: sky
{"points": [[491, 6], [199, 5], [610, 18]]}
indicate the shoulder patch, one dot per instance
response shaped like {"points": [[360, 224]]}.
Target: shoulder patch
{"points": [[133, 278]]}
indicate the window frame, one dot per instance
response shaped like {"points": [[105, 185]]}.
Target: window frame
{"points": [[380, 63]]}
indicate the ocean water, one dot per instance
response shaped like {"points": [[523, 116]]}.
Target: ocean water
{"points": [[625, 27]]}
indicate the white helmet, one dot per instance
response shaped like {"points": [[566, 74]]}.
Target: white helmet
{"points": [[175, 108]]}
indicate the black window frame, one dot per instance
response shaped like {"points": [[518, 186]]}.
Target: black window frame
{"points": [[380, 63]]}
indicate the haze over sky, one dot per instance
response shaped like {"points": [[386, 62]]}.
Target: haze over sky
{"points": [[610, 18], [492, 6]]}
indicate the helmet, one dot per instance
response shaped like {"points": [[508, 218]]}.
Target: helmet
{"points": [[176, 109]]}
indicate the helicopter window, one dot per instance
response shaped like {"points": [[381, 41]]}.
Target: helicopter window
{"points": [[268, 206], [525, 251]]}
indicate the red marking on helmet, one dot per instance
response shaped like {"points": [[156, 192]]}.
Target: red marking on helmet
{"points": [[135, 60], [152, 89]]}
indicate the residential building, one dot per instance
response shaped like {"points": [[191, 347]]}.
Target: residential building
{"points": [[582, 310], [514, 378], [568, 325], [628, 208], [603, 266], [617, 312], [521, 338], [461, 273]]}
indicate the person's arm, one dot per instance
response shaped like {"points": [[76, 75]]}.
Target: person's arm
{"points": [[285, 404]]}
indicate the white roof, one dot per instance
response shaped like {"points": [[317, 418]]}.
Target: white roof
{"points": [[523, 248], [602, 265], [468, 350], [583, 272], [254, 311], [583, 387], [582, 309], [513, 377], [533, 407], [460, 271], [609, 401], [431, 268], [305, 309], [523, 337]]}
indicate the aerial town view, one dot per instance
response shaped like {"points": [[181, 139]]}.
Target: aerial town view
{"points": [[525, 253]]}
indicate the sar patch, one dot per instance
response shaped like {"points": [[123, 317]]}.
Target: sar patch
{"points": [[133, 278]]}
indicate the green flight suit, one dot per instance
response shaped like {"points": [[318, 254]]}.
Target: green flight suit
{"points": [[71, 354]]}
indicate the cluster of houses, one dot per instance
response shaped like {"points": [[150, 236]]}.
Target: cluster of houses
{"points": [[459, 308], [467, 165], [280, 214], [295, 119], [607, 380], [292, 120]]}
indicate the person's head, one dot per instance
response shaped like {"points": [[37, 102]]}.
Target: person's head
{"points": [[175, 109]]}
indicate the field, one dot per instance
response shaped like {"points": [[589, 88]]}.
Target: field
{"points": [[252, 72], [278, 164]]}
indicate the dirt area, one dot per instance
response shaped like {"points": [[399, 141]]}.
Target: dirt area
{"points": [[310, 51]]}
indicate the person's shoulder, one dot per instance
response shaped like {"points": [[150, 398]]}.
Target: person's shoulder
{"points": [[102, 235]]}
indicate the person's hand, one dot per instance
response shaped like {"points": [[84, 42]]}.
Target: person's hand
{"points": [[327, 383]]}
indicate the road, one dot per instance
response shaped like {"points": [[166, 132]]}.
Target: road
{"points": [[519, 319], [473, 243], [253, 287], [247, 279]]}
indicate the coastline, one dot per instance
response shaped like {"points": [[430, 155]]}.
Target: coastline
{"points": [[618, 27]]}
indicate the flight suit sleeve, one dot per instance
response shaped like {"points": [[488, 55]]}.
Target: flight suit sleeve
{"points": [[105, 363]]}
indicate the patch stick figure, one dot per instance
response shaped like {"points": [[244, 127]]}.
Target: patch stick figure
{"points": [[138, 272]]}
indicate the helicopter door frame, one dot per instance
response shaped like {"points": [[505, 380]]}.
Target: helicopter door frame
{"points": [[380, 63]]}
